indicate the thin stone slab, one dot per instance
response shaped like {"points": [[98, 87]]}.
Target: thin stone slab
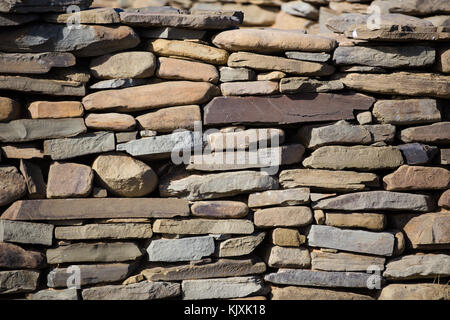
{"points": [[55, 110], [369, 221], [34, 63], [15, 257], [346, 262], [96, 208], [249, 88], [414, 7], [285, 109], [26, 232], [42, 86], [170, 119], [105, 231], [304, 84], [420, 291], [377, 243], [429, 231], [91, 16], [405, 112], [203, 226], [418, 33], [118, 84], [305, 293], [308, 56], [186, 249], [20, 6], [240, 246], [408, 178], [18, 281], [37, 129], [171, 33], [219, 209], [418, 266], [58, 295], [289, 197], [180, 69], [437, 133], [295, 216]]}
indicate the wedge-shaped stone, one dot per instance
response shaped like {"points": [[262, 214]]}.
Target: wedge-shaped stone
{"points": [[305, 84], [12, 185], [185, 249], [299, 108], [220, 269], [15, 257], [418, 266], [417, 178], [18, 281], [264, 62], [369, 221], [272, 41], [249, 88], [328, 179], [105, 231], [241, 246], [438, 133], [237, 287], [34, 63], [94, 252], [283, 217], [219, 185], [89, 274], [219, 209], [180, 69], [62, 209], [304, 293], [377, 243], [321, 278], [59, 295], [400, 83], [358, 158], [203, 226], [290, 197], [42, 86], [404, 112], [429, 231], [22, 151], [152, 96], [377, 200], [170, 119], [20, 6], [420, 291], [137, 291], [26, 232], [343, 261], [91, 16], [84, 41], [55, 110], [296, 258]]}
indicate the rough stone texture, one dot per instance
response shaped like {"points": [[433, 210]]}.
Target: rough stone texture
{"points": [[91, 16], [19, 6], [42, 86], [203, 226], [170, 119], [105, 231], [59, 295], [37, 63], [138, 291], [443, 60], [270, 75], [304, 293], [12, 185], [369, 221], [240, 246], [179, 69], [418, 266], [416, 153], [249, 88], [420, 291], [172, 33], [186, 249], [444, 200], [377, 243], [279, 197], [15, 257], [110, 122], [55, 110], [9, 109], [438, 133], [219, 209], [26, 232], [308, 56], [133, 64], [328, 179], [304, 84], [236, 287], [94, 252], [414, 7], [119, 83], [18, 281], [343, 261], [404, 112], [22, 151], [283, 217], [358, 157], [297, 258], [284, 237], [228, 74], [69, 180], [445, 156], [417, 178], [300, 9], [428, 231]]}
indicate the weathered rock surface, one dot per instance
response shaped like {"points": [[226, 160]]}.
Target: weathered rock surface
{"points": [[219, 209], [444, 200], [110, 121], [304, 84], [295, 216], [9, 109], [179, 69], [297, 258], [284, 237], [19, 6], [228, 74], [119, 83], [308, 56], [14, 257], [369, 221], [12, 185], [290, 197], [249, 88], [18, 281], [343, 261], [304, 293], [414, 7], [203, 226], [300, 9], [55, 110], [417, 178], [438, 133], [418, 266], [37, 63], [22, 151], [241, 246], [105, 231], [34, 179], [186, 249], [59, 295], [420, 291], [170, 119], [404, 112], [131, 64], [428, 231], [416, 153], [26, 232], [69, 180], [172, 33], [42, 86]]}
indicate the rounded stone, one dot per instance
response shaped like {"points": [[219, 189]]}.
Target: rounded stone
{"points": [[12, 185], [9, 109]]}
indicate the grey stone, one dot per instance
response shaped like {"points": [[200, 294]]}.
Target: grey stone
{"points": [[445, 156], [21, 6], [241, 246], [171, 33], [300, 9], [203, 226], [416, 153], [49, 294], [18, 281], [289, 197], [26, 232], [343, 261], [12, 185], [308, 56], [303, 84], [296, 258], [118, 83], [228, 74], [105, 231], [91, 16], [34, 63], [418, 266], [405, 112], [186, 249]]}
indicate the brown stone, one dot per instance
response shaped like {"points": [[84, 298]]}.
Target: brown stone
{"points": [[437, 133], [219, 209], [420, 291], [110, 121], [429, 231], [35, 63], [170, 119], [249, 88], [444, 200], [14, 257], [369, 221], [417, 178], [9, 109], [12, 185], [69, 180], [130, 64], [404, 112], [279, 197], [283, 217], [284, 237], [344, 261], [55, 110], [305, 293], [34, 179], [443, 60], [179, 69]]}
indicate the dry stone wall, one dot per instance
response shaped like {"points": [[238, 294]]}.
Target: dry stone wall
{"points": [[155, 153]]}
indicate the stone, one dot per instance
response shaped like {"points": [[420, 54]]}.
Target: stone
{"points": [[240, 246], [11, 20], [179, 69], [42, 86], [445, 156], [285, 109], [308, 56], [408, 178], [25, 130], [319, 215], [19, 6], [34, 179], [405, 112], [122, 137], [26, 232], [428, 231], [12, 185], [217, 185], [437, 133], [69, 180], [96, 208], [418, 266], [105, 231], [18, 281], [295, 216], [235, 287], [377, 200], [420, 291], [59, 295], [444, 200], [119, 83], [151, 96], [328, 179], [172, 33], [188, 49], [186, 249], [9, 109], [34, 63], [443, 60], [296, 258], [94, 252], [270, 76], [357, 158], [388, 34], [219, 209], [90, 143], [203, 226], [15, 257], [414, 7], [304, 84], [284, 237], [301, 9], [345, 262], [55, 110], [91, 16], [321, 278], [400, 83], [304, 293], [272, 40], [89, 274], [285, 21], [439, 21], [289, 197], [377, 243], [138, 291], [22, 151], [369, 221], [131, 64], [169, 119], [269, 63], [249, 88], [416, 153], [228, 74], [254, 15], [110, 122], [220, 268], [397, 57], [83, 41]]}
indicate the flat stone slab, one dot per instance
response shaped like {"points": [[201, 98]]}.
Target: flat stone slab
{"points": [[22, 151], [90, 16], [185, 249], [308, 56], [105, 231], [377, 243], [408, 111], [296, 258], [294, 216], [304, 293], [419, 291], [55, 110], [48, 295], [228, 74], [343, 261], [418, 266], [289, 197], [437, 133], [34, 63], [20, 6], [417, 178], [26, 232], [240, 246], [377, 200], [96, 208], [285, 109], [15, 257], [414, 7], [18, 281], [219, 209], [429, 231], [305, 84], [203, 226]]}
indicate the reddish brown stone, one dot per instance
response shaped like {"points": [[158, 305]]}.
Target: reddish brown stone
{"points": [[429, 231], [14, 257], [219, 209], [444, 200], [417, 178]]}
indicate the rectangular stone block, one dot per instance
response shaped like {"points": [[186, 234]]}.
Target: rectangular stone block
{"points": [[105, 231], [343, 261], [26, 232], [203, 226], [185, 249], [269, 198]]}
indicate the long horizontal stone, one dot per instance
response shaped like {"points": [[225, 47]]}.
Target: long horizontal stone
{"points": [[417, 178], [55, 110], [369, 221], [137, 291], [289, 197], [219, 209], [419, 291], [240, 246], [96, 208], [203, 226], [294, 216], [185, 249], [285, 109], [34, 63], [36, 129], [171, 33], [304, 293], [343, 261], [414, 7], [377, 243], [26, 232], [321, 278], [105, 231], [18, 281], [328, 179], [20, 6], [94, 252], [15, 257], [418, 266], [437, 133], [404, 112], [90, 16], [429, 231], [58, 295], [305, 84], [220, 269], [89, 274], [377, 200]]}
